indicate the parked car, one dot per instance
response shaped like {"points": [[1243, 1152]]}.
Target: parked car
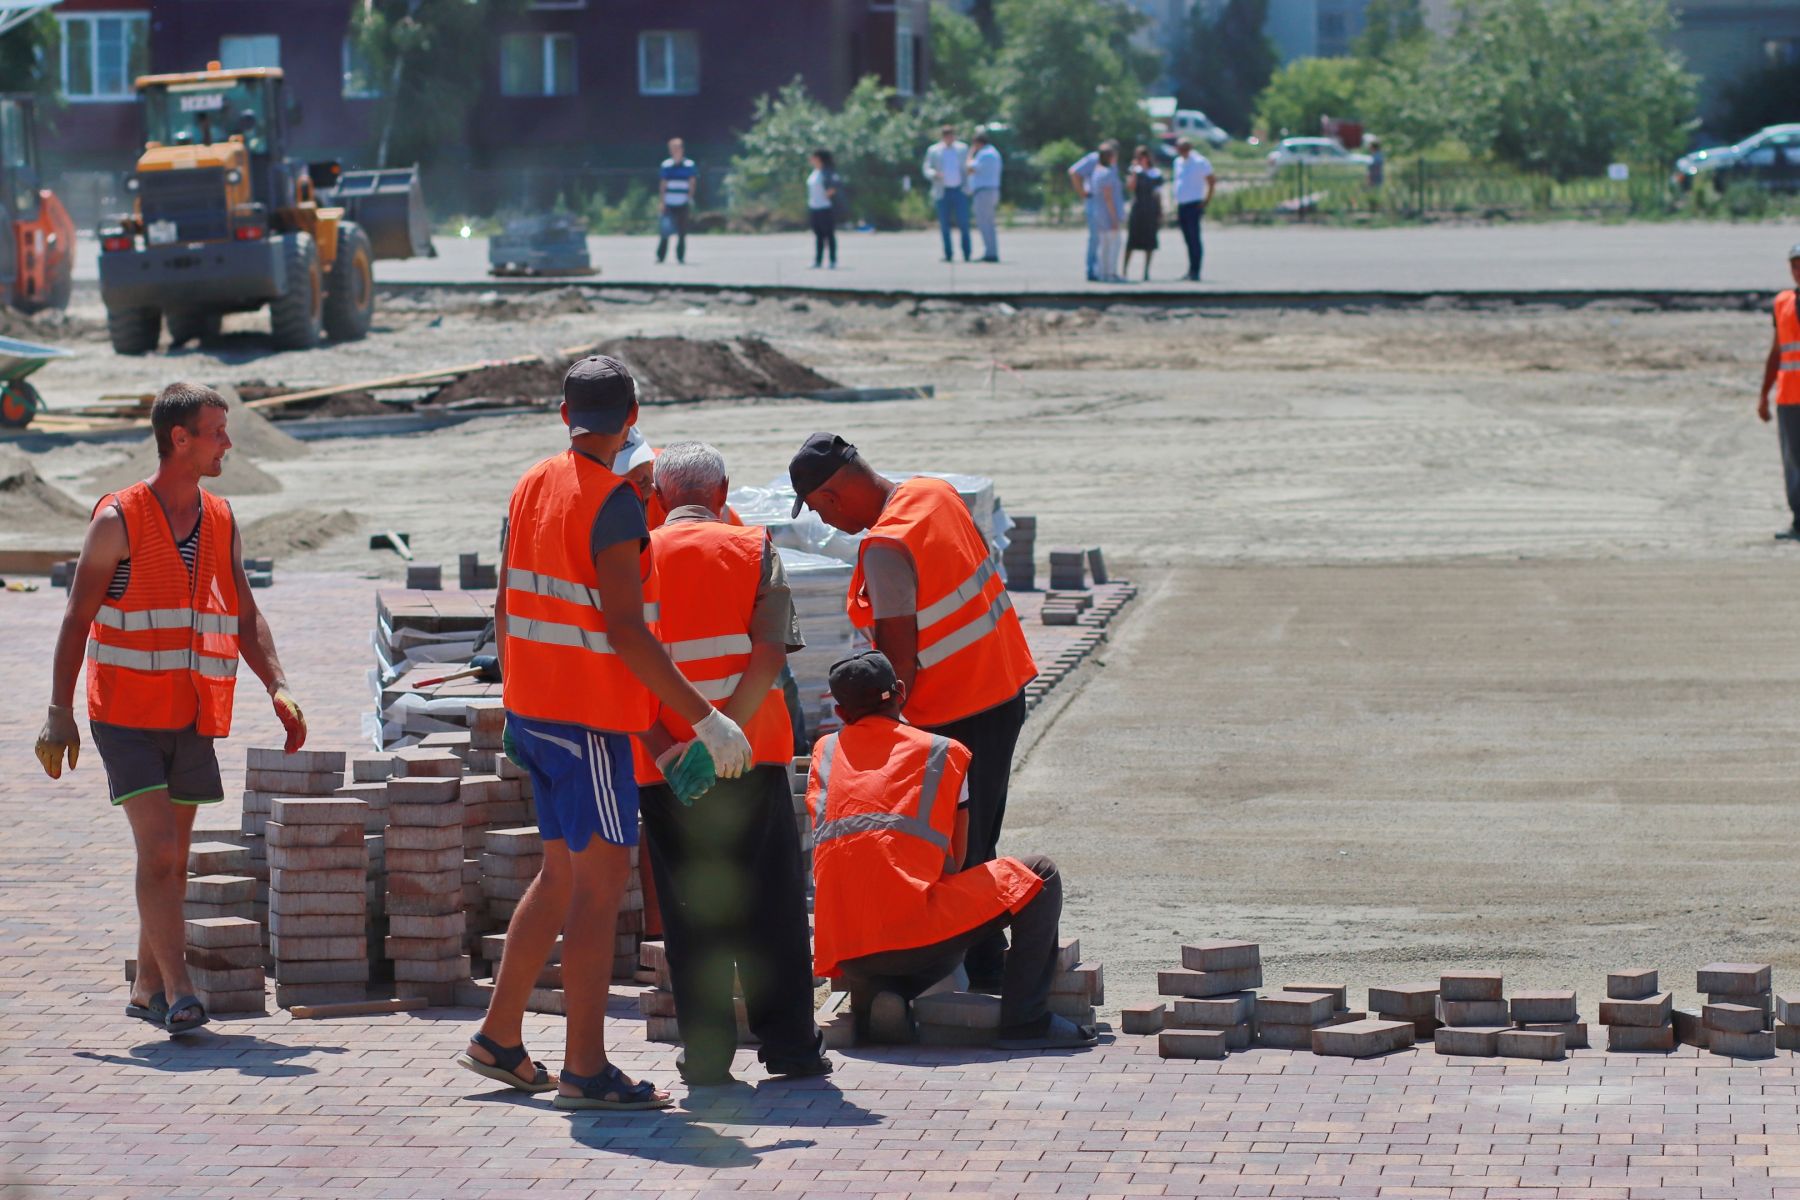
{"points": [[1315, 152], [1769, 157], [1169, 123]]}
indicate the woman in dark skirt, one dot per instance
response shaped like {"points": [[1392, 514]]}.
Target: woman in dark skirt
{"points": [[1146, 208]]}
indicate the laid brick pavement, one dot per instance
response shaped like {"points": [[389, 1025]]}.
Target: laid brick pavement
{"points": [[92, 1106]]}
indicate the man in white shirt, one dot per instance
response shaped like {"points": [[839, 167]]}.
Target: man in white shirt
{"points": [[947, 167], [984, 189], [1194, 183]]}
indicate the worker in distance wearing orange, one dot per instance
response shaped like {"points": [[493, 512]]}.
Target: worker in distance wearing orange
{"points": [[890, 808], [161, 611], [926, 586], [1781, 379]]}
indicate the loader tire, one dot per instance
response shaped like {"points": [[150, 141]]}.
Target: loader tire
{"points": [[133, 330], [296, 316], [350, 292]]}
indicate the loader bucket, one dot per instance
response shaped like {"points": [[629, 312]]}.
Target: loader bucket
{"points": [[390, 206]]}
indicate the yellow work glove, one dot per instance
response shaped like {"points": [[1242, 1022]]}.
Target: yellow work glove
{"points": [[287, 711], [58, 734]]}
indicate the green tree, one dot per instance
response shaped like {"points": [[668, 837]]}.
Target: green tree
{"points": [[28, 60], [1306, 90], [1388, 25], [1070, 70], [964, 71], [1567, 86], [423, 58], [1222, 65]]}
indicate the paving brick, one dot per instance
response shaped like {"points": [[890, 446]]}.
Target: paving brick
{"points": [[424, 862], [338, 835], [218, 858], [422, 948], [1732, 1018], [418, 837], [348, 881], [1293, 1008], [1729, 978], [1472, 1013], [234, 980], [1574, 1033], [1544, 1046], [1068, 953], [435, 816], [1405, 1001], [1787, 1037], [499, 886], [1280, 1036], [507, 866], [1200, 984], [411, 926], [233, 1004], [274, 758], [413, 762], [1787, 1008], [1470, 985], [301, 904], [1362, 1039], [290, 810], [1191, 1043], [1650, 1012], [1757, 1043], [1221, 956], [1214, 1012], [221, 932], [226, 958], [1763, 1002], [313, 949], [321, 858], [290, 925], [1635, 983], [371, 768], [1339, 992], [962, 1010], [443, 970], [1142, 1018], [293, 783], [1640, 1039], [425, 883], [1542, 1008], [524, 842], [1690, 1028], [1424, 1028], [221, 889], [330, 970], [425, 905], [1477, 1040]]}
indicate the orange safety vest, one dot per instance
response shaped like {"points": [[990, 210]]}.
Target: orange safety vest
{"points": [[559, 665], [972, 652], [1787, 337], [165, 654], [883, 800], [655, 514], [708, 572]]}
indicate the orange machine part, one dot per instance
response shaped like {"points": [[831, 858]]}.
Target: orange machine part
{"points": [[46, 252]]}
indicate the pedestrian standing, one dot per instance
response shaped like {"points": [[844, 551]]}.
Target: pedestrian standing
{"points": [[1106, 184], [985, 166], [727, 862], [926, 587], [1143, 228], [821, 207], [1081, 178], [947, 167], [581, 672], [678, 188], [1781, 379], [1377, 164], [1194, 183], [162, 609]]}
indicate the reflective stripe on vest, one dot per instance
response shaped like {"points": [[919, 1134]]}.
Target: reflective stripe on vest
{"points": [[1787, 347], [696, 649], [970, 588], [968, 635], [821, 770], [557, 633], [919, 826], [162, 660], [873, 822], [521, 580]]}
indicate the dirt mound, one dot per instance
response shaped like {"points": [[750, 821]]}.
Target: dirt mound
{"points": [[674, 369], [253, 437], [32, 505], [51, 327], [296, 530], [523, 381]]}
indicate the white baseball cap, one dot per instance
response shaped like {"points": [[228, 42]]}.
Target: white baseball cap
{"points": [[634, 453]]}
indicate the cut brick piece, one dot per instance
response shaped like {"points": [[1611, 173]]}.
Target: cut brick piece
{"points": [[1574, 1033], [1475, 1013], [1647, 1013], [1200, 984], [1481, 1041], [1142, 1018], [1542, 1008], [274, 758], [1293, 1008], [314, 949], [283, 880], [221, 889], [216, 933], [1733, 979], [1339, 992], [1529, 1043], [1191, 1043], [1759, 1043], [1636, 983], [278, 834], [1362, 1039], [1640, 1039], [1470, 985], [218, 858], [1732, 1018], [1406, 1001], [1221, 956], [1215, 1012], [322, 858]]}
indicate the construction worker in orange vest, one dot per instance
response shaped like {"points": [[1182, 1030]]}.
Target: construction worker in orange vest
{"points": [[1781, 378], [927, 587], [161, 611], [727, 864], [636, 461], [891, 821], [581, 672]]}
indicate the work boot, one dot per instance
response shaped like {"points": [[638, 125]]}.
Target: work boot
{"points": [[807, 1065], [1790, 534]]}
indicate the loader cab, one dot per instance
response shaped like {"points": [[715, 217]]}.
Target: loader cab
{"points": [[18, 183], [201, 119]]}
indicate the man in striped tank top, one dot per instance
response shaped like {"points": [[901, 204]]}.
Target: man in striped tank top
{"points": [[676, 186]]}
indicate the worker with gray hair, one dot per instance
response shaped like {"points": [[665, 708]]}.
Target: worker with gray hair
{"points": [[726, 862]]}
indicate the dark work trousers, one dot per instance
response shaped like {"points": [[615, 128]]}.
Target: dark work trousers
{"points": [[1787, 419], [729, 878], [674, 221], [824, 227], [990, 737], [1189, 215], [1025, 994]]}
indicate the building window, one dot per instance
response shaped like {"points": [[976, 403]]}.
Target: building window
{"points": [[360, 82], [1333, 34], [537, 64], [102, 53], [669, 62], [239, 52], [905, 56]]}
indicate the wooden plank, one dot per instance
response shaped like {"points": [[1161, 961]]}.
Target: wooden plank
{"points": [[415, 379], [34, 562], [356, 1008]]}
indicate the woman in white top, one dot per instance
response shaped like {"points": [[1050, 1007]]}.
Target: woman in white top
{"points": [[1104, 184], [821, 196]]}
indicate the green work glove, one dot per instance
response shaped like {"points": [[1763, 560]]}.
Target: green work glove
{"points": [[693, 775], [510, 747]]}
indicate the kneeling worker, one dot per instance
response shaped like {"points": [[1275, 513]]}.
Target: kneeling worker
{"points": [[894, 914]]}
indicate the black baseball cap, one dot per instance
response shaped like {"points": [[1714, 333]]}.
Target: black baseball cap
{"points": [[862, 683], [818, 460], [599, 391]]}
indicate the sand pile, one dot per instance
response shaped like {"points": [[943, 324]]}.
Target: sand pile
{"points": [[254, 438], [32, 505], [295, 531]]}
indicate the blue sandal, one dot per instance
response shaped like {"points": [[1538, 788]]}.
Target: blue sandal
{"points": [[504, 1068], [188, 1025], [610, 1089]]}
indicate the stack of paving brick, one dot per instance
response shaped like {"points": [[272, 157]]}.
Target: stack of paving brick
{"points": [[225, 965], [1347, 1034], [1019, 559], [546, 994], [1472, 1006], [1216, 1004], [1077, 986], [426, 926], [269, 771], [1412, 1002], [1065, 607], [220, 882], [947, 1017], [1068, 568], [628, 930], [1787, 1015], [474, 575], [318, 904], [259, 572], [1286, 1020], [1739, 1017], [1638, 1017], [657, 1002], [368, 783], [1544, 1025]]}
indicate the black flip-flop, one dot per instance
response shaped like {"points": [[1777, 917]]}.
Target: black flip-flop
{"points": [[504, 1068], [177, 1028], [156, 1012]]}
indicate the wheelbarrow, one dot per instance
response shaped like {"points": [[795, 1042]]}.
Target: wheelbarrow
{"points": [[19, 401]]}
